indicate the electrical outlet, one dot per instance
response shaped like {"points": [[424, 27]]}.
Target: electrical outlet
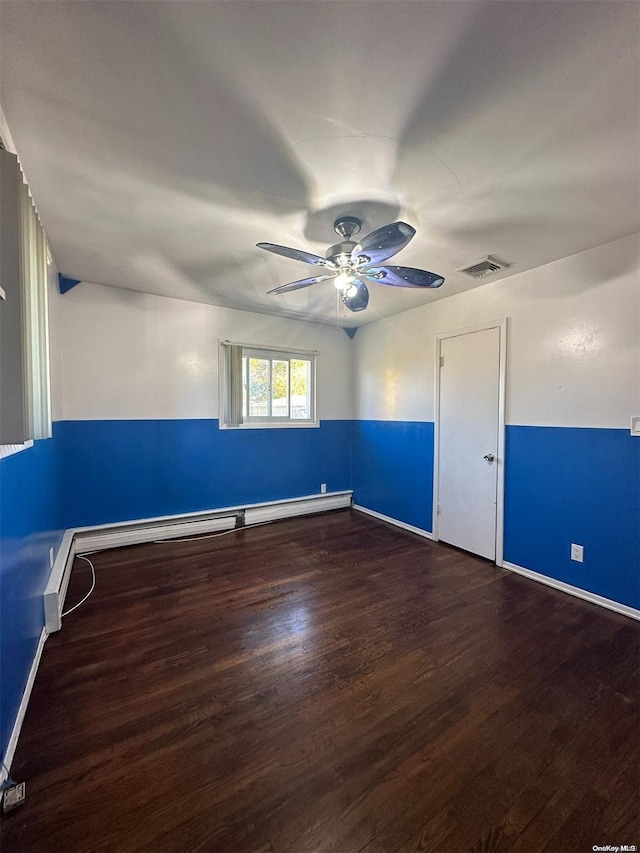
{"points": [[51, 557], [323, 488], [13, 797], [577, 552]]}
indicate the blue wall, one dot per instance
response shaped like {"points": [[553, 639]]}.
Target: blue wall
{"points": [[119, 470], [565, 485], [30, 524], [393, 469]]}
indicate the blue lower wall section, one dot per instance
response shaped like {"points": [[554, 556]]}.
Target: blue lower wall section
{"points": [[565, 485], [30, 524], [121, 470], [392, 469]]}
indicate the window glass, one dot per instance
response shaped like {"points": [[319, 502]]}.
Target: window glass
{"points": [[279, 389], [300, 389], [259, 387]]}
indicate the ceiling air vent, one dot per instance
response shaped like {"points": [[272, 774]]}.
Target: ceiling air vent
{"points": [[485, 266]]}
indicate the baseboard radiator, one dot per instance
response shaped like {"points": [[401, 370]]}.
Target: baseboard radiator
{"points": [[288, 509], [56, 588], [101, 540], [85, 540]]}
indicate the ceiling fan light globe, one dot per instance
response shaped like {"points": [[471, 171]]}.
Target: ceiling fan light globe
{"points": [[345, 282]]}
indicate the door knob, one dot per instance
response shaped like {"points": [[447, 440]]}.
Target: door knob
{"points": [[489, 457]]}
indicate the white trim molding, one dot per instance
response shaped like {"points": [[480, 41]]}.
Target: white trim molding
{"points": [[426, 534], [22, 710], [502, 326], [577, 591]]}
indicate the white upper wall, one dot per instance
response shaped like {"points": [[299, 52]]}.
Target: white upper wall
{"points": [[573, 344], [573, 349], [129, 355]]}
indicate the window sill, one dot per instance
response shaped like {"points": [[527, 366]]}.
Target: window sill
{"points": [[11, 449], [286, 425]]}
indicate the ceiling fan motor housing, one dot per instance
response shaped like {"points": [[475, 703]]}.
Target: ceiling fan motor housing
{"points": [[346, 227], [340, 254]]}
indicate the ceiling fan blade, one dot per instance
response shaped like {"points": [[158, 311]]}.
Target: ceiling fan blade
{"points": [[296, 255], [403, 276], [382, 244], [359, 301], [304, 282]]}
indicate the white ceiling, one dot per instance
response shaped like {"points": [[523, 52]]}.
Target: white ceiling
{"points": [[163, 140]]}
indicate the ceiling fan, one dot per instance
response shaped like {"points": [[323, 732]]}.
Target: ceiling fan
{"points": [[351, 265]]}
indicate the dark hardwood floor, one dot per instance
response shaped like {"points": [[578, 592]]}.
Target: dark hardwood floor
{"points": [[328, 683]]}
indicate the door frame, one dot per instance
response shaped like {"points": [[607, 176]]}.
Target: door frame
{"points": [[501, 325]]}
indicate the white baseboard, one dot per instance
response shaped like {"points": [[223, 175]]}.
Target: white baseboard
{"points": [[574, 590], [22, 710], [424, 533]]}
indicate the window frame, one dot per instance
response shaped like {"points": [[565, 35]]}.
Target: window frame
{"points": [[273, 354]]}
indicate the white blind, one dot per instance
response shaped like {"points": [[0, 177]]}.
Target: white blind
{"points": [[25, 396], [233, 358], [35, 314]]}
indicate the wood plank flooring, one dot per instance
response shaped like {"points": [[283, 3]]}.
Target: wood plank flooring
{"points": [[327, 684]]}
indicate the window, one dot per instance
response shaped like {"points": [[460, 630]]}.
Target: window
{"points": [[25, 407], [267, 387]]}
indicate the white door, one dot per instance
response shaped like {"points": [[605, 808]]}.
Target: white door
{"points": [[468, 440]]}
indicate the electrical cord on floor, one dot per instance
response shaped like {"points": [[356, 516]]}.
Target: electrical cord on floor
{"points": [[93, 586], [213, 535], [155, 542], [158, 542]]}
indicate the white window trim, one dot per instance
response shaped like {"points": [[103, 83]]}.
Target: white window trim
{"points": [[11, 449], [270, 352]]}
